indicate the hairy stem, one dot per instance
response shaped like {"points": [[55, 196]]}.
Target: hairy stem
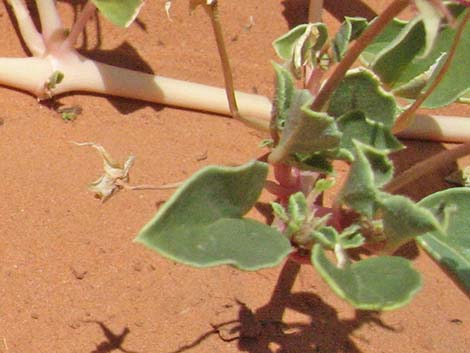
{"points": [[427, 166], [406, 118], [355, 50]]}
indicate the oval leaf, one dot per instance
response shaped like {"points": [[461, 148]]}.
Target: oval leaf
{"points": [[451, 250], [201, 224], [379, 283]]}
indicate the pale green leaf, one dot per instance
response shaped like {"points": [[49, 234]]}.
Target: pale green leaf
{"points": [[456, 81], [202, 225], [355, 126], [401, 61], [432, 18], [349, 238], [305, 131], [119, 12], [394, 59], [282, 100], [315, 37], [452, 249], [379, 283], [350, 29], [361, 91], [284, 45], [370, 170], [403, 220], [382, 40], [326, 236]]}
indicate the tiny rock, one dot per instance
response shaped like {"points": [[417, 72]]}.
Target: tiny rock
{"points": [[78, 273]]}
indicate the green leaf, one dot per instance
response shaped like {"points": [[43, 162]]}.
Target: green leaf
{"points": [[403, 220], [370, 170], [283, 97], [413, 88], [305, 131], [465, 98], [355, 126], [400, 62], [326, 236], [284, 45], [298, 212], [120, 12], [452, 249], [361, 91], [349, 238], [383, 40], [394, 59], [431, 17], [201, 224], [350, 29], [455, 82], [379, 283], [297, 47]]}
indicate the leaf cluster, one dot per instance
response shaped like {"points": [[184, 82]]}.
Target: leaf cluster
{"points": [[203, 223]]}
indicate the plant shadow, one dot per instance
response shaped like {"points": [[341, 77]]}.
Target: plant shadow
{"points": [[113, 341], [125, 56], [263, 330]]}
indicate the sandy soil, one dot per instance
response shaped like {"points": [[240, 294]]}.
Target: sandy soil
{"points": [[72, 281]]}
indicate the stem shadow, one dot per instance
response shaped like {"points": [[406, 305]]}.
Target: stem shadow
{"points": [[417, 151]]}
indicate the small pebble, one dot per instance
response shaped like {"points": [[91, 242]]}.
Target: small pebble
{"points": [[78, 273]]}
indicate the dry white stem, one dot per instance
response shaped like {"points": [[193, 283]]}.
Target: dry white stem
{"points": [[83, 74], [31, 36], [150, 187], [438, 128], [115, 173], [341, 256], [51, 23]]}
